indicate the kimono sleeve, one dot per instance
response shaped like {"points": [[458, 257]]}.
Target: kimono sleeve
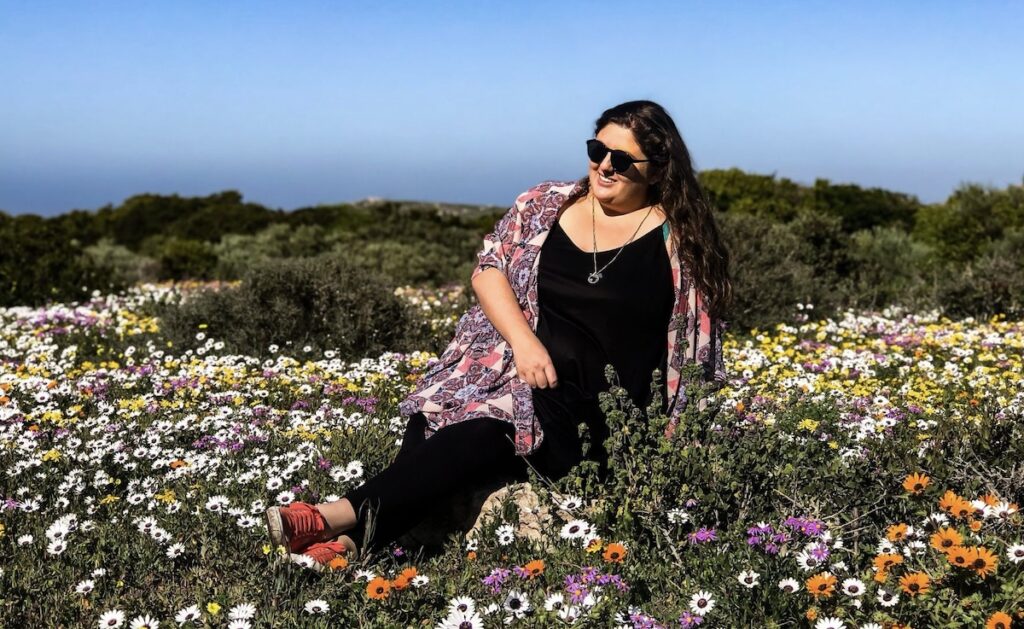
{"points": [[715, 366], [499, 243]]}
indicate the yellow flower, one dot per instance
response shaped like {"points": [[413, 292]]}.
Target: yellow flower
{"points": [[51, 455], [109, 498], [266, 549], [213, 607], [808, 425], [166, 496]]}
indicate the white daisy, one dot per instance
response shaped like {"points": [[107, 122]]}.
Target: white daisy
{"points": [[570, 614], [789, 585], [144, 621], [554, 602], [506, 534], [175, 550], [317, 606], [303, 560], [829, 623], [852, 587], [243, 611], [1015, 553], [420, 580], [112, 619], [516, 603], [217, 504], [461, 604], [240, 624], [189, 614], [748, 578], [274, 482], [807, 561], [702, 603], [367, 575], [462, 620], [887, 598], [285, 497], [570, 503], [86, 586], [574, 529]]}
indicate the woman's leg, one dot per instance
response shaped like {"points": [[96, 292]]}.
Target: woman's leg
{"points": [[452, 459], [339, 515]]}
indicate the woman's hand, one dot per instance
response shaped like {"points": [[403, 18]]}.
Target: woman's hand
{"points": [[533, 364]]}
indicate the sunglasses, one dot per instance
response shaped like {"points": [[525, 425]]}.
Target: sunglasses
{"points": [[621, 160]]}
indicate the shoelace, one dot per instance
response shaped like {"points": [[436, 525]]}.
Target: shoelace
{"points": [[303, 519], [326, 551]]}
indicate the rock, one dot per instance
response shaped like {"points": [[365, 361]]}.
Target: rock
{"points": [[468, 512]]}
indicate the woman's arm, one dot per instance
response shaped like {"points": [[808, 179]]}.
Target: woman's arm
{"points": [[498, 301], [500, 305]]}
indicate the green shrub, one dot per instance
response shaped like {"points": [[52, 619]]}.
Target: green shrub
{"points": [[768, 272], [322, 302], [891, 268]]}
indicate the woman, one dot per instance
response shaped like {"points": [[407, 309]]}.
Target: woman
{"points": [[632, 257]]}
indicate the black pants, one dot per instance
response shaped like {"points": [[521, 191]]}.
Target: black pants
{"points": [[427, 471]]}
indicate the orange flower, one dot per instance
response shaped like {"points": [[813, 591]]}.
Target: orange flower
{"points": [[946, 539], [916, 482], [821, 585], [948, 500], [811, 613], [403, 580], [962, 557], [915, 583], [984, 561], [990, 499], [884, 562], [338, 563], [999, 620], [961, 509], [974, 524], [378, 588], [471, 555], [881, 576], [614, 552], [534, 568], [896, 532]]}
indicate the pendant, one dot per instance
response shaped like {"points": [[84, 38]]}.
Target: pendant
{"points": [[593, 277]]}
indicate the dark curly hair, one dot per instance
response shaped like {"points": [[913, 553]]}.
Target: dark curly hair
{"points": [[695, 236]]}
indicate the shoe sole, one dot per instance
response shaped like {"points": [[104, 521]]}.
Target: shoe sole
{"points": [[275, 528]]}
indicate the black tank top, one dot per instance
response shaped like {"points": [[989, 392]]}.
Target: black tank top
{"points": [[621, 320]]}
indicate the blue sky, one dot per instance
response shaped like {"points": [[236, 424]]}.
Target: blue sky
{"points": [[299, 103]]}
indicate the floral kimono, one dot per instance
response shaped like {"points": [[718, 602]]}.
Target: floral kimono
{"points": [[475, 376]]}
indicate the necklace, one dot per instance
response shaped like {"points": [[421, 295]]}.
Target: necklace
{"points": [[594, 277]]}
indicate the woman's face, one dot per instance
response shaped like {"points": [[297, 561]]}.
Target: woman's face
{"points": [[627, 190]]}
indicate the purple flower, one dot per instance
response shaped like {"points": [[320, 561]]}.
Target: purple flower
{"points": [[702, 535], [690, 620], [496, 579]]}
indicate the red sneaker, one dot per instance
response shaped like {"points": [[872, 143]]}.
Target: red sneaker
{"points": [[324, 552], [294, 526]]}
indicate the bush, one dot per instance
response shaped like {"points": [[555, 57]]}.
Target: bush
{"points": [[890, 268], [125, 266], [769, 276], [322, 302]]}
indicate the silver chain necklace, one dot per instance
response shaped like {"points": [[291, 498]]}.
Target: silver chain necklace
{"points": [[594, 277]]}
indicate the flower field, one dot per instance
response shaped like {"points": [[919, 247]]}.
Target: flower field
{"points": [[858, 472]]}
